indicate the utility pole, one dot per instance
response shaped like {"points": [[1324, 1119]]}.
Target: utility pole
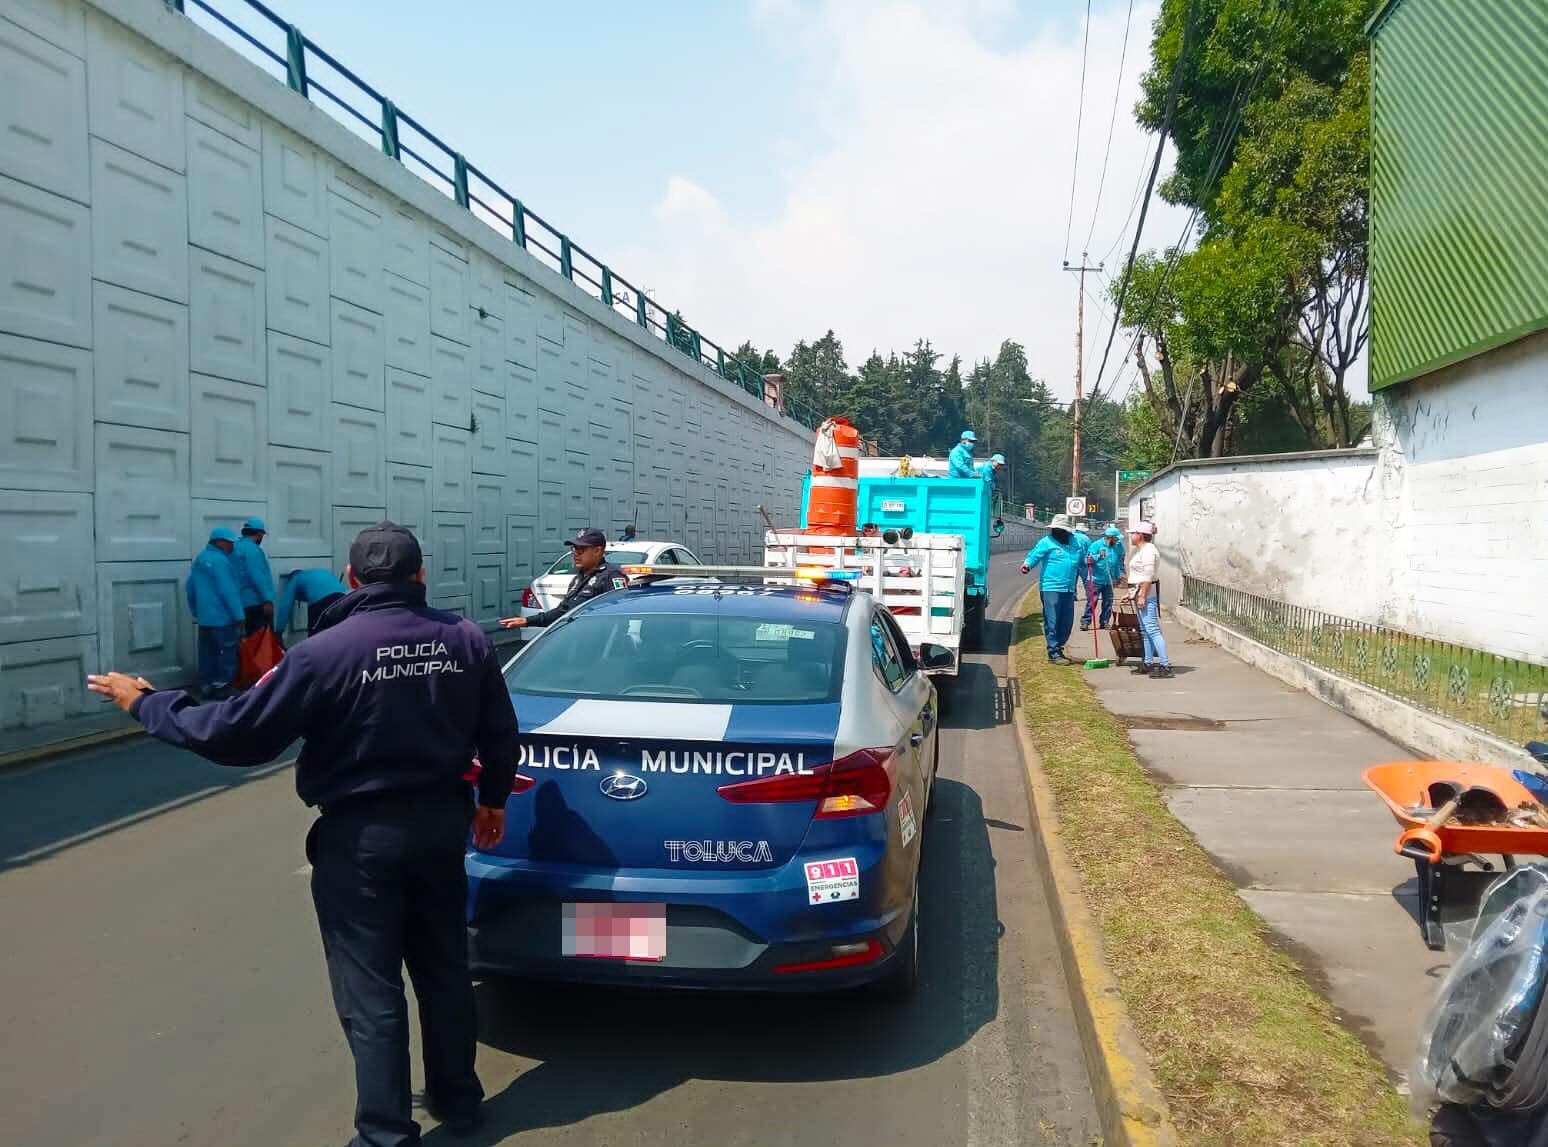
{"points": [[1080, 354]]}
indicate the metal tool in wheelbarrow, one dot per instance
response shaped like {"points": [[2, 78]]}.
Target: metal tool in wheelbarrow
{"points": [[1471, 804], [1484, 1045]]}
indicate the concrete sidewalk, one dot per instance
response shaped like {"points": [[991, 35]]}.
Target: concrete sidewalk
{"points": [[1267, 778]]}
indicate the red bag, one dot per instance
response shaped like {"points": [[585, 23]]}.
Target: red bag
{"points": [[258, 653]]}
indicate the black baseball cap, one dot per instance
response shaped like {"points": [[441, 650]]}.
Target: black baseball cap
{"points": [[590, 536], [385, 552]]}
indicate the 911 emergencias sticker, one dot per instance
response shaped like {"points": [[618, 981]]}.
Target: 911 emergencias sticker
{"points": [[829, 881]]}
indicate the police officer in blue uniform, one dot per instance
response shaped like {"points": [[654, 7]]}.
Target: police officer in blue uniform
{"points": [[392, 700], [594, 576]]}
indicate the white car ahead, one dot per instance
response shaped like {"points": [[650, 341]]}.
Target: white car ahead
{"points": [[549, 587]]}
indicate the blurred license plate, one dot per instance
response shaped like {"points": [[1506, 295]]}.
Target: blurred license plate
{"points": [[614, 931]]}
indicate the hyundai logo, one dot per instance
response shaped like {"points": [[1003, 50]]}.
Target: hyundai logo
{"points": [[623, 787]]}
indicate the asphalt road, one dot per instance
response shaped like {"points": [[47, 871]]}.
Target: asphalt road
{"points": [[163, 983]]}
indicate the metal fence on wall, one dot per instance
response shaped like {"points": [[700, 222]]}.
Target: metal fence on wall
{"points": [[1498, 695], [286, 53]]}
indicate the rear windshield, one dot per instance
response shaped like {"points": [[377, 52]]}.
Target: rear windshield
{"points": [[566, 564], [684, 657]]}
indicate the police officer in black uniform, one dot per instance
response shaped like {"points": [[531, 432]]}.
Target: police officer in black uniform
{"points": [[392, 700], [593, 577]]}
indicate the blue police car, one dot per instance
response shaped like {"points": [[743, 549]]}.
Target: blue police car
{"points": [[731, 786]]}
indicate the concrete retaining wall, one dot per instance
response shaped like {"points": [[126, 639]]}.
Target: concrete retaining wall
{"points": [[217, 302]]}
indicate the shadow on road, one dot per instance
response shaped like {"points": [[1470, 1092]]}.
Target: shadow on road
{"points": [[607, 1050], [88, 794], [975, 699]]}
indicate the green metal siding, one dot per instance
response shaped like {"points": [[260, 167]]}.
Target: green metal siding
{"points": [[1459, 181]]}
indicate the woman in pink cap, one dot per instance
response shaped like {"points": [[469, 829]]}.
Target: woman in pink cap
{"points": [[1145, 592]]}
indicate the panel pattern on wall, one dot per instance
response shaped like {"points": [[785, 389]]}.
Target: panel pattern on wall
{"points": [[206, 316]]}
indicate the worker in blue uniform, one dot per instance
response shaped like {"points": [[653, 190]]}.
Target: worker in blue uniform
{"points": [[628, 534], [392, 699], [254, 578], [990, 472], [318, 588], [959, 463], [1104, 560], [1061, 557], [216, 604]]}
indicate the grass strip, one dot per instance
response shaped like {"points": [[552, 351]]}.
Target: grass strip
{"points": [[1245, 1050]]}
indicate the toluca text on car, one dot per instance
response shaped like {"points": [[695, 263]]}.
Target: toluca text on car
{"points": [[731, 784]]}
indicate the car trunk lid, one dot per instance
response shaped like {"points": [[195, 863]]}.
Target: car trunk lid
{"points": [[635, 784]]}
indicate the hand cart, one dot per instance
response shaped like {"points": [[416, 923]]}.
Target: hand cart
{"points": [[1124, 631]]}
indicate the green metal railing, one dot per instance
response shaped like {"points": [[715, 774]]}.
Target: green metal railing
{"points": [[1499, 695], [284, 51]]}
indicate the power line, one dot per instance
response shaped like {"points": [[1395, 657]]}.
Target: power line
{"points": [[1234, 116], [1080, 114], [1112, 121], [1155, 167], [1123, 228]]}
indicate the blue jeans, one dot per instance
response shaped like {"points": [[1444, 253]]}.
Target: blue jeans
{"points": [[217, 656], [1104, 593], [1058, 618], [1150, 628]]}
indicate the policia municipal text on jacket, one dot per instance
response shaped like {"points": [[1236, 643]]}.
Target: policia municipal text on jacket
{"points": [[392, 700], [593, 577]]}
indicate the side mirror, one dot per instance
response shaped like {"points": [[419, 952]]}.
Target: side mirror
{"points": [[999, 527], [935, 657]]}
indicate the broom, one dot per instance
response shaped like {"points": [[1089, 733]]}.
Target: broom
{"points": [[1097, 660]]}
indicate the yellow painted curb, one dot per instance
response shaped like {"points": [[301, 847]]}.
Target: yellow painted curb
{"points": [[1132, 1110]]}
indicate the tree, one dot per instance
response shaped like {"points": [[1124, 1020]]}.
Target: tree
{"points": [[816, 374], [1273, 152], [1006, 407], [762, 362]]}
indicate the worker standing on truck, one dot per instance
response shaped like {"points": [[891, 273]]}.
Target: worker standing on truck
{"points": [[990, 472], [1061, 557], [960, 461]]}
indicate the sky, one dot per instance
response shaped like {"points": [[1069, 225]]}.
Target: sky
{"points": [[894, 170]]}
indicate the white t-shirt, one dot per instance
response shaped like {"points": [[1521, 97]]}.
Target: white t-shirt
{"points": [[1142, 564]]}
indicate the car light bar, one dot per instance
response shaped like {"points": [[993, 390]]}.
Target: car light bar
{"points": [[818, 575]]}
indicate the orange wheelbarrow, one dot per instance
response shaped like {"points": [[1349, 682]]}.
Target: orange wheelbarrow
{"points": [[1452, 812]]}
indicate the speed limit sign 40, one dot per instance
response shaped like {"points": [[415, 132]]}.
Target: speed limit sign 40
{"points": [[1075, 507]]}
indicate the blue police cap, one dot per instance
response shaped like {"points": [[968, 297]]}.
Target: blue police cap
{"points": [[385, 552], [590, 536]]}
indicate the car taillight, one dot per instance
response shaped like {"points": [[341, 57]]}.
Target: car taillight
{"points": [[529, 599], [856, 785], [519, 783]]}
